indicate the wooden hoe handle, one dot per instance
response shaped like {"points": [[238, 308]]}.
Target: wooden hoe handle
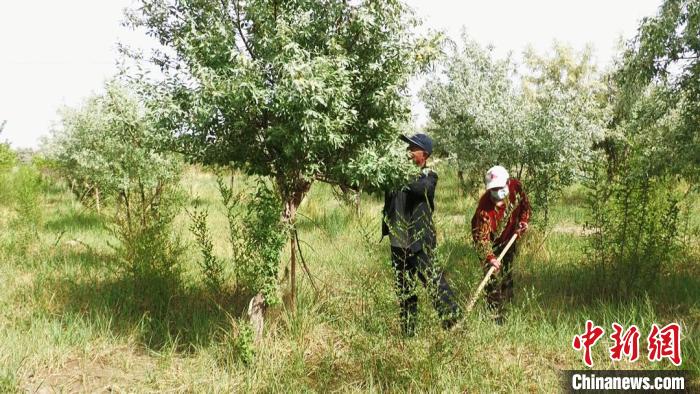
{"points": [[490, 272]]}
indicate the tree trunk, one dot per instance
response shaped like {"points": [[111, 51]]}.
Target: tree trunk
{"points": [[97, 199], [293, 274], [256, 311], [462, 185], [292, 202]]}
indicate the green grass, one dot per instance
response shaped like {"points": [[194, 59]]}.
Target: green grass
{"points": [[71, 321]]}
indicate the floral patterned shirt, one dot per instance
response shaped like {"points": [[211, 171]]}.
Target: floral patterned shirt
{"points": [[494, 224]]}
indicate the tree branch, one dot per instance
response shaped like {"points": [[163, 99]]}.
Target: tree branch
{"points": [[342, 185], [226, 15], [240, 31], [303, 262]]}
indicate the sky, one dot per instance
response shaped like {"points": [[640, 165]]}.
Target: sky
{"points": [[56, 53]]}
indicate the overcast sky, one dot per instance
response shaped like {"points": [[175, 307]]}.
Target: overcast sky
{"points": [[54, 53]]}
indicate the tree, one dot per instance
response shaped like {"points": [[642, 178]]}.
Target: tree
{"points": [[542, 130], [651, 147], [294, 91], [111, 143], [665, 57], [566, 115], [635, 202], [476, 112]]}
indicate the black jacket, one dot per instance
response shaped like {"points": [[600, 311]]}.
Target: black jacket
{"points": [[418, 210]]}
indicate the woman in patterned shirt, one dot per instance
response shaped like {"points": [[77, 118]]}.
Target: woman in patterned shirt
{"points": [[503, 210]]}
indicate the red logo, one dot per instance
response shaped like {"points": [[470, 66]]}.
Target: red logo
{"points": [[662, 343], [626, 344], [586, 340], [665, 343]]}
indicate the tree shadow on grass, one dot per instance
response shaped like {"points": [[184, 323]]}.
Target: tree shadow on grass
{"points": [[159, 310], [75, 253], [75, 221], [577, 292], [562, 287]]}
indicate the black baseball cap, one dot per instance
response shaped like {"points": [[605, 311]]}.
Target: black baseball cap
{"points": [[420, 140]]}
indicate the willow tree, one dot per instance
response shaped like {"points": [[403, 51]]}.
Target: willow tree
{"points": [[294, 91], [566, 114], [541, 129], [475, 108]]}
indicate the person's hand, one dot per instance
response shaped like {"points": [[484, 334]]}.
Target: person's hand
{"points": [[495, 263], [522, 227]]}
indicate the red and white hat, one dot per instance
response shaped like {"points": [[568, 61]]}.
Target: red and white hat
{"points": [[496, 177]]}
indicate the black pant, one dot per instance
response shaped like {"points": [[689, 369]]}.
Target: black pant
{"points": [[408, 265], [499, 289]]}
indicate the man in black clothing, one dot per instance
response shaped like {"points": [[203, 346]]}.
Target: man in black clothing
{"points": [[408, 221]]}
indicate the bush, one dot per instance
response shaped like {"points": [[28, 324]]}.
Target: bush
{"points": [[147, 249], [212, 266], [111, 147], [636, 196], [8, 158], [635, 220], [23, 192], [244, 344], [256, 235]]}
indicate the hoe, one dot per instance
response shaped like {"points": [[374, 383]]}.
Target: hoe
{"points": [[489, 273]]}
